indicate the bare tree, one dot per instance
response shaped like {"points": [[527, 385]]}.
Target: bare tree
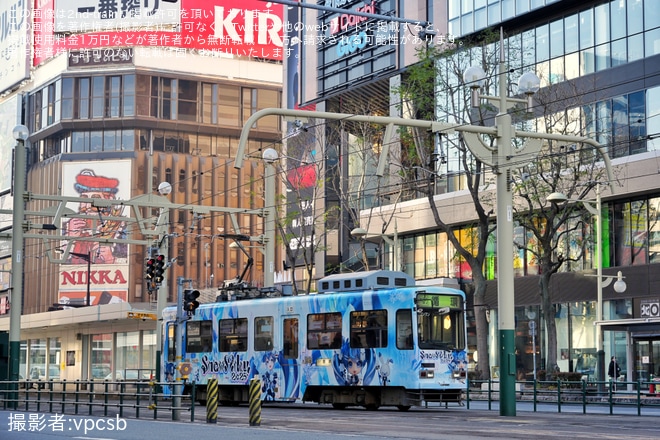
{"points": [[433, 89], [554, 235], [301, 223]]}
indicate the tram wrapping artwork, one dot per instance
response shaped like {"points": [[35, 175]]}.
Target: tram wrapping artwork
{"points": [[365, 339]]}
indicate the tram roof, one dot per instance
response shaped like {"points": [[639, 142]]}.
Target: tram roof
{"points": [[373, 279]]}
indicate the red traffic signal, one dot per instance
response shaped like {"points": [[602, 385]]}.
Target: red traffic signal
{"points": [[159, 269], [150, 269]]}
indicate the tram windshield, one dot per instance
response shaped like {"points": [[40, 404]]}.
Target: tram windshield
{"points": [[440, 322]]}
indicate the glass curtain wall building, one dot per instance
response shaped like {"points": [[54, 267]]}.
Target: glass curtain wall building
{"points": [[602, 55]]}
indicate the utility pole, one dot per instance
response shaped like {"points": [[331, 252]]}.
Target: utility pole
{"points": [[20, 161]]}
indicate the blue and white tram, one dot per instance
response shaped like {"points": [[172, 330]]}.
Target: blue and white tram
{"points": [[365, 339]]}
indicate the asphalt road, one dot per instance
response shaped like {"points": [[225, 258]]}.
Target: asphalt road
{"points": [[298, 422]]}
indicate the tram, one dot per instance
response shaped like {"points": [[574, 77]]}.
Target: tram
{"points": [[366, 339]]}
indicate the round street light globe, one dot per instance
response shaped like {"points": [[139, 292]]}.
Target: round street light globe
{"points": [[529, 83], [359, 232], [474, 76], [164, 188], [20, 133], [619, 284], [270, 155]]}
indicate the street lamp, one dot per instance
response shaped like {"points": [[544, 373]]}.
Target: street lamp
{"points": [[500, 160], [595, 209], [362, 234]]}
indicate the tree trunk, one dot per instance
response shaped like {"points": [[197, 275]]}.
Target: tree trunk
{"points": [[483, 364], [549, 313]]}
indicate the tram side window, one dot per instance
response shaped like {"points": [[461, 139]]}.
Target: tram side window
{"points": [[199, 336], [290, 336], [324, 331], [404, 331], [263, 333], [233, 334], [369, 329]]}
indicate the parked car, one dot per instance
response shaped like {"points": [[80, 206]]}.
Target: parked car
{"points": [[101, 371]]}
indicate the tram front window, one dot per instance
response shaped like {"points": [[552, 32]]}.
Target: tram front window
{"points": [[440, 330]]}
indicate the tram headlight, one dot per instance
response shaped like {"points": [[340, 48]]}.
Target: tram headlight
{"points": [[426, 374], [459, 373]]}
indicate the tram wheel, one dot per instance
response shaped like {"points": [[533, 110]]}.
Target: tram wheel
{"points": [[339, 405], [372, 407], [403, 407]]}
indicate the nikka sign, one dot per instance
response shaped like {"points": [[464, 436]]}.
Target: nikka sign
{"points": [[108, 283]]}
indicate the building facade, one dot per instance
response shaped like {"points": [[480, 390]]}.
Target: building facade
{"points": [[606, 52], [113, 110]]}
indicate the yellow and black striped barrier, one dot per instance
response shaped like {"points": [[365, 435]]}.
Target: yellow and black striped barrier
{"points": [[255, 402], [212, 401]]}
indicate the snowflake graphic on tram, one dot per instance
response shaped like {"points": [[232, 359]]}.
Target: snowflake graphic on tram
{"points": [[366, 339]]}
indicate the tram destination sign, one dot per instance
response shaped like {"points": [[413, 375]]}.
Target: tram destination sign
{"points": [[429, 300]]}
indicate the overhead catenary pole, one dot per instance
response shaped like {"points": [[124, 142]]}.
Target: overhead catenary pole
{"points": [[505, 297], [18, 220]]}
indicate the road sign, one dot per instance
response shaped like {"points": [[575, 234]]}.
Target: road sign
{"points": [[142, 315]]}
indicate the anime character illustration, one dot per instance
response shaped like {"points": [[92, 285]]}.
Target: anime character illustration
{"points": [[89, 185], [384, 369], [269, 379], [459, 362], [354, 366]]}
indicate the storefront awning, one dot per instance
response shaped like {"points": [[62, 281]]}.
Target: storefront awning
{"points": [[638, 327]]}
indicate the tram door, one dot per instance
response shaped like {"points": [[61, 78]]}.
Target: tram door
{"points": [[647, 359], [287, 386]]}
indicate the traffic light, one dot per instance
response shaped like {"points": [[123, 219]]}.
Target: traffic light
{"points": [[150, 268], [190, 302], [159, 269]]}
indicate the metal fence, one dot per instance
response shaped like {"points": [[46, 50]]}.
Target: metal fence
{"points": [[100, 398], [158, 400], [563, 393]]}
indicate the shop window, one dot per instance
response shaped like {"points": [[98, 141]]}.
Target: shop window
{"points": [[228, 105], [128, 95], [36, 110], [101, 358], [187, 100], [98, 96], [127, 355], [113, 96], [67, 98], [82, 99], [37, 359]]}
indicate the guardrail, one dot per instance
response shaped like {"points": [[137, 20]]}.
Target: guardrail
{"points": [[564, 393], [122, 398]]}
